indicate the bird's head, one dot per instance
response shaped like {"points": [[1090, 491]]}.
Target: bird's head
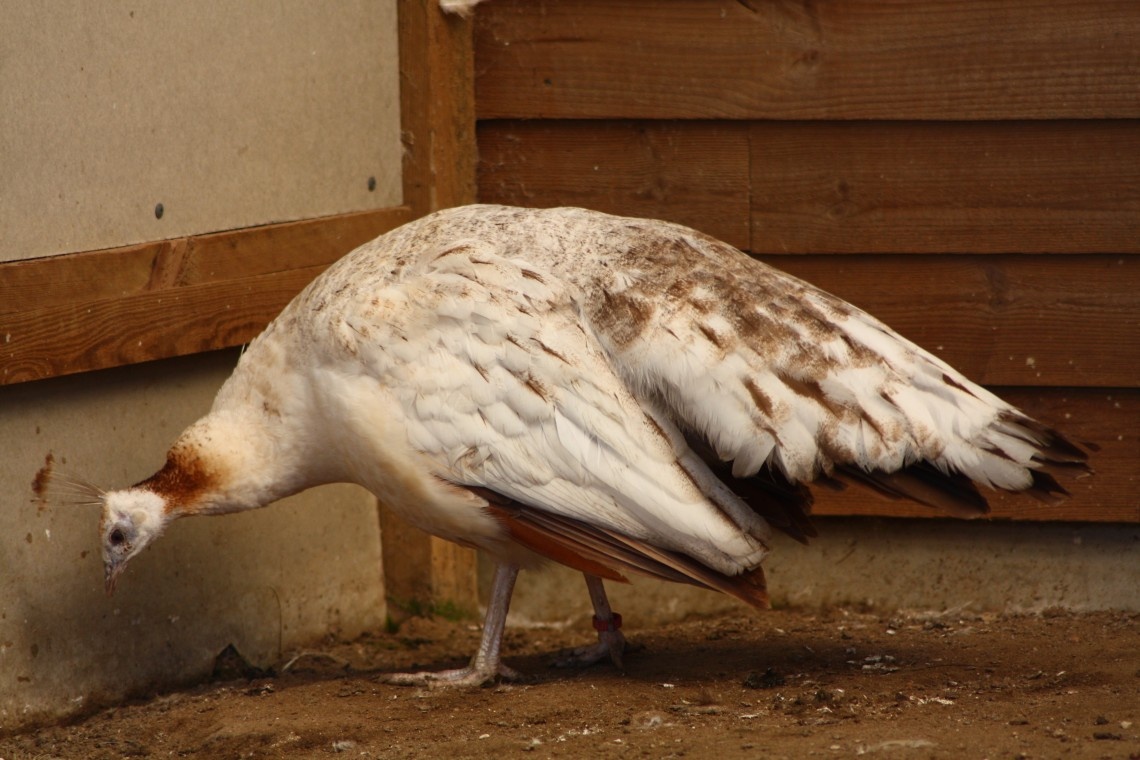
{"points": [[132, 518]]}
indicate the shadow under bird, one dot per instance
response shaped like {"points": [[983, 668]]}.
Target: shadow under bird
{"points": [[622, 396]]}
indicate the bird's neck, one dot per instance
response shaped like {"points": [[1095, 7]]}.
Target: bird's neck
{"points": [[255, 446], [227, 462]]}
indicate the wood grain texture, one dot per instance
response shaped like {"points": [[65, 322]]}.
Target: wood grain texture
{"points": [[685, 59], [946, 187], [1000, 319], [76, 313], [437, 100], [695, 174], [84, 335], [1109, 418], [98, 275], [814, 187]]}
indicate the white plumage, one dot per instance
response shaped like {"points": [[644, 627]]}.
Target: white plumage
{"points": [[616, 394]]}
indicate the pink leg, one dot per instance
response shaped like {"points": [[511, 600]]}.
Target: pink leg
{"points": [[611, 642], [486, 665]]}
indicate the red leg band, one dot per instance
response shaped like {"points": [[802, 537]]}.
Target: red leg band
{"points": [[613, 624]]}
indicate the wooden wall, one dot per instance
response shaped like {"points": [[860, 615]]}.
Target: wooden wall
{"points": [[968, 171]]}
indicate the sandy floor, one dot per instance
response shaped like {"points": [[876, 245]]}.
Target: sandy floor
{"points": [[789, 684]]}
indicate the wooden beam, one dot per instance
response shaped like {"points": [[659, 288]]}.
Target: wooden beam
{"points": [[89, 311], [865, 59], [198, 260], [437, 98]]}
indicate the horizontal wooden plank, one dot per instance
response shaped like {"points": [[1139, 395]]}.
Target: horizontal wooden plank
{"points": [[1002, 320], [69, 338], [1108, 418], [866, 59], [80, 312], [699, 173], [115, 272], [933, 187], [1055, 320], [813, 187]]}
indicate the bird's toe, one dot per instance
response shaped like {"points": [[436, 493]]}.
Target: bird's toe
{"points": [[472, 675], [610, 646]]}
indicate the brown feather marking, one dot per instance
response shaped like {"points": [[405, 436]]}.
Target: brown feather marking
{"points": [[623, 317], [550, 351], [182, 479], [759, 397], [811, 390], [955, 384], [711, 335], [536, 387], [665, 436]]}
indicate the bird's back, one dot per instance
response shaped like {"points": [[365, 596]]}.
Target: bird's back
{"points": [[643, 379]]}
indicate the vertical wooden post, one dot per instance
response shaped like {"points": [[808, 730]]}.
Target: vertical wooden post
{"points": [[437, 93]]}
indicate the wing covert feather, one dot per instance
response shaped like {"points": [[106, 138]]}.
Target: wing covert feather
{"points": [[503, 388]]}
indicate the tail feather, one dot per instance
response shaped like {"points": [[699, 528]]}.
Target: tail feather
{"points": [[926, 484], [609, 554]]}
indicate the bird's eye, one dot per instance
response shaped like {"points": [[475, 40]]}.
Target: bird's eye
{"points": [[117, 537]]}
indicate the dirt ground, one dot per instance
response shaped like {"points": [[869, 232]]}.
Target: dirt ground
{"points": [[781, 684]]}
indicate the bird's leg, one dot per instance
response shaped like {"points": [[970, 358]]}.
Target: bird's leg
{"points": [[611, 642], [485, 665]]}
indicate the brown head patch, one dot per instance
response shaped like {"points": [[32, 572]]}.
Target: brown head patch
{"points": [[182, 479]]}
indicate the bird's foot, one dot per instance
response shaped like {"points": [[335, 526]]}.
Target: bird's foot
{"points": [[611, 646], [472, 675]]}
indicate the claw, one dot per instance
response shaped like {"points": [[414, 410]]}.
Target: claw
{"points": [[472, 675], [611, 646]]}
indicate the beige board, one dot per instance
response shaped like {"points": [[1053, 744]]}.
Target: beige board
{"points": [[229, 114]]}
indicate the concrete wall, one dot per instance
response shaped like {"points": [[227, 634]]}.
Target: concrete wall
{"points": [[927, 565], [264, 581]]}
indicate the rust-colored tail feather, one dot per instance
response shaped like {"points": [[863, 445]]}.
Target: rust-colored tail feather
{"points": [[609, 554]]}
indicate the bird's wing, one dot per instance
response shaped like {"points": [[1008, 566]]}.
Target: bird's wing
{"points": [[502, 386], [779, 376]]}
